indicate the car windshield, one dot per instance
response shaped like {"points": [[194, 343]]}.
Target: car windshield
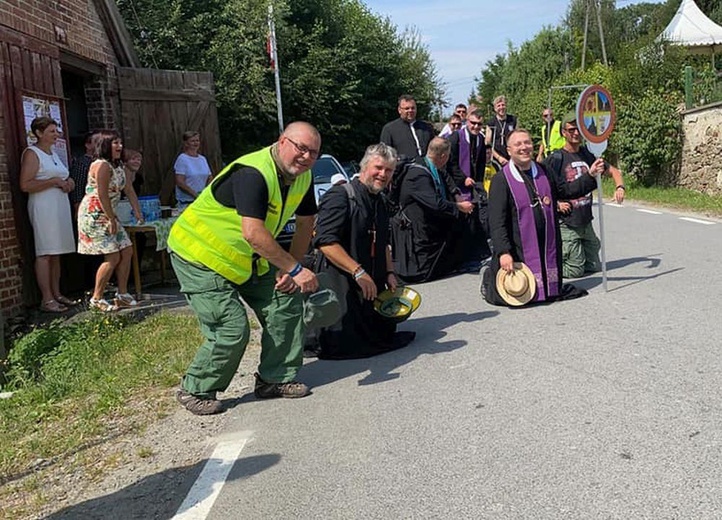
{"points": [[323, 170]]}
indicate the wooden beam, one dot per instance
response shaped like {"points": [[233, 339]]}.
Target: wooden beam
{"points": [[147, 94]]}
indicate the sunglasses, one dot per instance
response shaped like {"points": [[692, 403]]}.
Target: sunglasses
{"points": [[546, 115], [572, 130], [475, 123], [455, 125]]}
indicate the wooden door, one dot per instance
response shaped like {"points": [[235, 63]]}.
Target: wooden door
{"points": [[30, 65], [157, 106]]}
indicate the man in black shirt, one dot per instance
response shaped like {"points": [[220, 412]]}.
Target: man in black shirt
{"points": [[224, 253], [408, 136], [580, 245], [498, 129]]}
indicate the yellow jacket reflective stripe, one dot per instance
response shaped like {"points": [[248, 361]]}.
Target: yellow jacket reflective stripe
{"points": [[557, 139], [209, 233]]}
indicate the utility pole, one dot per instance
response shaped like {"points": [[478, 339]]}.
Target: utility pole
{"points": [[586, 31], [601, 30]]}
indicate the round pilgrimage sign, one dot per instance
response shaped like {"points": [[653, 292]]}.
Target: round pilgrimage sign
{"points": [[596, 114]]}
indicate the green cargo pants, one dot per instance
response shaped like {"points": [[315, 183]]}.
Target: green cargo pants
{"points": [[218, 303], [580, 251]]}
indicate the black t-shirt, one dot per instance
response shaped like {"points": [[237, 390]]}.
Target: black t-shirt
{"points": [[245, 189], [500, 130], [568, 166]]}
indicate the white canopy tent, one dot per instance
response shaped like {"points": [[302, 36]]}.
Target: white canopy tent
{"points": [[691, 28]]}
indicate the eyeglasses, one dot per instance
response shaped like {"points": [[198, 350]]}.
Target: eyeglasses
{"points": [[572, 130], [303, 150], [475, 123]]}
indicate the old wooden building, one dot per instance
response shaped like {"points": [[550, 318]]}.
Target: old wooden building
{"points": [[75, 58]]}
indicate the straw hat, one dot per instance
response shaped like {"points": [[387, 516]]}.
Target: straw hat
{"points": [[518, 287]]}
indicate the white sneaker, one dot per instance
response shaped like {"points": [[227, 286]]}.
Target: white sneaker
{"points": [[102, 305], [125, 300]]}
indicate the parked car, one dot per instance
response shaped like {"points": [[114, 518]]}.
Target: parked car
{"points": [[325, 167]]}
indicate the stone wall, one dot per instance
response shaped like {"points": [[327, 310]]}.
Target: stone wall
{"points": [[701, 168]]}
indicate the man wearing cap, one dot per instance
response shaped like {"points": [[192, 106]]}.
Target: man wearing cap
{"points": [[338, 178], [523, 223], [353, 236], [224, 253], [551, 136], [580, 245], [425, 241], [408, 136]]}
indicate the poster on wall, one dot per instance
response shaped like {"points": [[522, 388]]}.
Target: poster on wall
{"points": [[38, 105]]}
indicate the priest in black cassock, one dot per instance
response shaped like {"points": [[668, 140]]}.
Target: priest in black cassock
{"points": [[353, 236], [427, 228], [523, 221], [409, 137]]}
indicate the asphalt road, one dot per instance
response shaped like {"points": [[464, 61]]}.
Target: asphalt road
{"points": [[603, 407]]}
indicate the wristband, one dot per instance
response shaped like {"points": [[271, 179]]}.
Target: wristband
{"points": [[621, 187], [358, 273], [297, 269]]}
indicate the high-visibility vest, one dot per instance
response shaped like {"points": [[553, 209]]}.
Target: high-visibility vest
{"points": [[557, 139], [209, 233]]}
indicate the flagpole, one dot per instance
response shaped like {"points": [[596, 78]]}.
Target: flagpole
{"points": [[274, 65]]}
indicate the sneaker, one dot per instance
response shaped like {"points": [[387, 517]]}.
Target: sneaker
{"points": [[199, 405], [102, 305], [124, 300], [291, 389]]}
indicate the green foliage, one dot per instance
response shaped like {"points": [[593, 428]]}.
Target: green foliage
{"points": [[341, 67], [86, 371], [648, 136], [57, 347]]}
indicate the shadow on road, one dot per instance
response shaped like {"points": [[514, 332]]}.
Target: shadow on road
{"points": [[429, 334], [652, 263], [159, 495]]}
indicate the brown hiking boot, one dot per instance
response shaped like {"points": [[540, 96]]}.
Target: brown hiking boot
{"points": [[199, 405], [291, 389]]}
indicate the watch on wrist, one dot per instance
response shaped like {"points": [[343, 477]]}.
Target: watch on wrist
{"points": [[621, 187]]}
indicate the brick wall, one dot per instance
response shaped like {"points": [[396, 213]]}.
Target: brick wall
{"points": [[11, 283], [77, 19], [70, 25]]}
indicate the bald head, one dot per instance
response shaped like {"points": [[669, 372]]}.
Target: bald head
{"points": [[438, 151], [299, 147]]}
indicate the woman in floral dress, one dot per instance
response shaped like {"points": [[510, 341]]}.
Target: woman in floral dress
{"points": [[99, 230]]}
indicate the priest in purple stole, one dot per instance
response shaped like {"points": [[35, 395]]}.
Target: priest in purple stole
{"points": [[523, 222]]}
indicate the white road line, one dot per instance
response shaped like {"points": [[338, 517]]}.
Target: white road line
{"points": [[649, 211], [613, 205], [697, 221], [203, 494]]}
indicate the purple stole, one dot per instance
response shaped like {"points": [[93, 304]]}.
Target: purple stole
{"points": [[465, 161], [528, 231]]}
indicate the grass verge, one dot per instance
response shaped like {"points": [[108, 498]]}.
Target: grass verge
{"points": [[95, 380], [675, 198]]}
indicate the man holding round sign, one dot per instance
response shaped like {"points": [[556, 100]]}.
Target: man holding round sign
{"points": [[594, 120]]}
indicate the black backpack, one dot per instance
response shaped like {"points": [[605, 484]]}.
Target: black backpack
{"points": [[403, 165]]}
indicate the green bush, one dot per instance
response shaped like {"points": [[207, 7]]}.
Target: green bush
{"points": [[648, 137], [59, 347]]}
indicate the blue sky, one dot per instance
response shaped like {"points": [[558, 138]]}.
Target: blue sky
{"points": [[462, 35]]}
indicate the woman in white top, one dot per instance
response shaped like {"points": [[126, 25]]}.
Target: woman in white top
{"points": [[192, 172], [47, 181]]}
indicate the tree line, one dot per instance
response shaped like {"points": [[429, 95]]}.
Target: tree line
{"points": [[342, 67], [644, 75]]}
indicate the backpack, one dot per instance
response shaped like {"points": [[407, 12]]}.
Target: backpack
{"points": [[402, 168]]}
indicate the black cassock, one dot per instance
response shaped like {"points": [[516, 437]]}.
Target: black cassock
{"points": [[426, 231], [361, 227]]}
